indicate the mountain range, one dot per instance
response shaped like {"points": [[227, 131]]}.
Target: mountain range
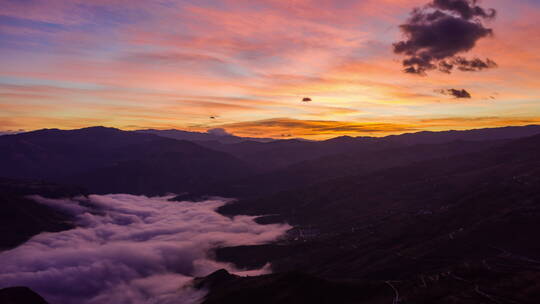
{"points": [[429, 217], [107, 160], [214, 135]]}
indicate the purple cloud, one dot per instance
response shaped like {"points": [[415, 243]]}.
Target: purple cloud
{"points": [[130, 249], [437, 33]]}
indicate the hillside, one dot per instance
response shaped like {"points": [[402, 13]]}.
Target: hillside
{"points": [[23, 218], [106, 160], [467, 220]]}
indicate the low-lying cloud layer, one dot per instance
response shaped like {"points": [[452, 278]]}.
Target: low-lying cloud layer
{"points": [[133, 249], [437, 33]]}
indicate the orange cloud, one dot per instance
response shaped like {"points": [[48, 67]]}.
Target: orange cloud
{"points": [[323, 129], [286, 127]]}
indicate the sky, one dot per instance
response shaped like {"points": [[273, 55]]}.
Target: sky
{"points": [[245, 66]]}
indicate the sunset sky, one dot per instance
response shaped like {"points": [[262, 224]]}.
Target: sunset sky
{"points": [[135, 64]]}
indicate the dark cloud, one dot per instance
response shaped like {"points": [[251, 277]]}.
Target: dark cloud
{"points": [[473, 65], [438, 32], [135, 250], [456, 93], [306, 99], [465, 8]]}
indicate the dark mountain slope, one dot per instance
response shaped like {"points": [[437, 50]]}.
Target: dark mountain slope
{"points": [[467, 222], [449, 287], [275, 155], [20, 295], [109, 160], [428, 137], [289, 288], [309, 172], [282, 153], [23, 218], [201, 138], [505, 164]]}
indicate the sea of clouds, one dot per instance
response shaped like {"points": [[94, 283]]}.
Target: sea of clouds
{"points": [[130, 249]]}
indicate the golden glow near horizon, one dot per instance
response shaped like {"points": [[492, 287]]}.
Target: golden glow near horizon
{"points": [[175, 64]]}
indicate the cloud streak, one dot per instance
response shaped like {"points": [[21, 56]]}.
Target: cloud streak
{"points": [[130, 249], [294, 127], [324, 129]]}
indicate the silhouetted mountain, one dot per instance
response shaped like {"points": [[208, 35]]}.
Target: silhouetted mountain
{"points": [[110, 160], [427, 137], [280, 154], [375, 156], [449, 287], [23, 218], [431, 217], [277, 154], [289, 288], [20, 295], [106, 160], [203, 137], [461, 225]]}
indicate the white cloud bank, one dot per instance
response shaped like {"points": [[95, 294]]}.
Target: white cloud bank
{"points": [[134, 250]]}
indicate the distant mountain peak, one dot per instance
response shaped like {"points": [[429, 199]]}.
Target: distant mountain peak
{"points": [[222, 138], [100, 128]]}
